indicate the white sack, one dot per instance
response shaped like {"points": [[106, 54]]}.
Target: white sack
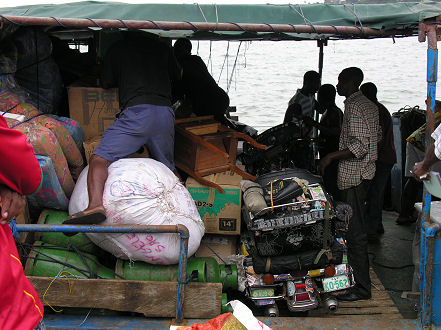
{"points": [[142, 191]]}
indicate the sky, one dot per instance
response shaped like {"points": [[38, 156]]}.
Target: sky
{"points": [[16, 3]]}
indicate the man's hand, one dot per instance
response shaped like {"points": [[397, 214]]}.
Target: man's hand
{"points": [[12, 204], [324, 162], [420, 171]]}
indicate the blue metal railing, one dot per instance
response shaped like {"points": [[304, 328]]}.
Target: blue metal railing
{"points": [[179, 229]]}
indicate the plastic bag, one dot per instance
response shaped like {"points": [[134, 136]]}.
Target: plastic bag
{"points": [[143, 192]]}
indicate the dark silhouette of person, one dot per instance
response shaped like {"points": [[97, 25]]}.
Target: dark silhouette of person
{"points": [[386, 160], [330, 128], [143, 68], [303, 103], [198, 88]]}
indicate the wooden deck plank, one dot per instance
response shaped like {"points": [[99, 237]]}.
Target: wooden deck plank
{"points": [[153, 299]]}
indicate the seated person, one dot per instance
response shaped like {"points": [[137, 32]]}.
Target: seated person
{"points": [[197, 87]]}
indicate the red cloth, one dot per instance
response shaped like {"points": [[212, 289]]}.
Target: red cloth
{"points": [[19, 169], [20, 307]]}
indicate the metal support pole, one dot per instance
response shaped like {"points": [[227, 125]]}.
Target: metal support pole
{"points": [[320, 44], [427, 233], [179, 229]]}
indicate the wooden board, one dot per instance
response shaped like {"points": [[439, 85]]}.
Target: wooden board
{"points": [[380, 305], [153, 299]]}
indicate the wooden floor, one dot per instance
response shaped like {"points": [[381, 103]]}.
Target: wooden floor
{"points": [[380, 305]]}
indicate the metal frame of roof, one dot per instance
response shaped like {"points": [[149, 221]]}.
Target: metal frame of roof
{"points": [[234, 22]]}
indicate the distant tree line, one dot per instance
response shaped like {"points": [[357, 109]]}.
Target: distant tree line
{"points": [[370, 1]]}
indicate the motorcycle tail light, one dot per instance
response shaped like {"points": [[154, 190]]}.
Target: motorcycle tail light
{"points": [[268, 279], [330, 271], [302, 296], [300, 286]]}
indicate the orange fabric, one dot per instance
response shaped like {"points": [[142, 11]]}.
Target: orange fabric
{"points": [[20, 307]]}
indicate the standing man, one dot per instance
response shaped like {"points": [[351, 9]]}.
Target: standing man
{"points": [[358, 150], [142, 67], [330, 128], [20, 174], [301, 107], [303, 103], [386, 159]]}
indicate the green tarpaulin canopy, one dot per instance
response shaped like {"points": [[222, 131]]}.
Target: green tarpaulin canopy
{"points": [[228, 22]]}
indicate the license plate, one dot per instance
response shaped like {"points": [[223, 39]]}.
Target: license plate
{"points": [[335, 283], [260, 293]]}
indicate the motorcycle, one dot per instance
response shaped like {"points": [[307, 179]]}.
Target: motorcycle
{"points": [[295, 241]]}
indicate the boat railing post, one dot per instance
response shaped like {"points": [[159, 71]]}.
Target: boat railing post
{"points": [[428, 232], [181, 230]]}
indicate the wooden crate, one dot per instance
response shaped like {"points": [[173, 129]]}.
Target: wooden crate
{"points": [[203, 146]]}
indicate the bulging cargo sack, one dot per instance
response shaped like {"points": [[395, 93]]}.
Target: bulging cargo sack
{"points": [[143, 192]]}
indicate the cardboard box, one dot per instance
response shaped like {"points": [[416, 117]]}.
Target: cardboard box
{"points": [[217, 246], [93, 108], [221, 213], [91, 144]]}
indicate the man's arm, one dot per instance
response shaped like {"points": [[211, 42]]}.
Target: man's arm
{"points": [[421, 169], [19, 175], [336, 155]]}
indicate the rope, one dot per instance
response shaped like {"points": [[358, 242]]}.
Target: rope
{"points": [[238, 25], [353, 12], [234, 67], [195, 28], [59, 23], [223, 64], [96, 24], [27, 120], [13, 227], [7, 19], [60, 275], [124, 23], [157, 25], [10, 109], [202, 12], [305, 20], [217, 17]]}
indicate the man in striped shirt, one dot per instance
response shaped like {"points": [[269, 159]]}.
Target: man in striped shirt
{"points": [[357, 154], [303, 103]]}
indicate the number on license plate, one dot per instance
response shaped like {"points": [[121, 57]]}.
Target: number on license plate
{"points": [[335, 283], [260, 293]]}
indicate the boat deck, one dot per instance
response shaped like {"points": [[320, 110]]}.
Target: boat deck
{"points": [[380, 305]]}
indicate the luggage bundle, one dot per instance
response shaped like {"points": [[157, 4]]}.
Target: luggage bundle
{"points": [[297, 226]]}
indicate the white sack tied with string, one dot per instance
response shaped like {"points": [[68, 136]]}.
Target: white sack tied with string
{"points": [[142, 192]]}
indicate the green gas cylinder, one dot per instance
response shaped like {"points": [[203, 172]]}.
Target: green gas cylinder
{"points": [[225, 308], [212, 269], [228, 276], [49, 261], [141, 271], [55, 217]]}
